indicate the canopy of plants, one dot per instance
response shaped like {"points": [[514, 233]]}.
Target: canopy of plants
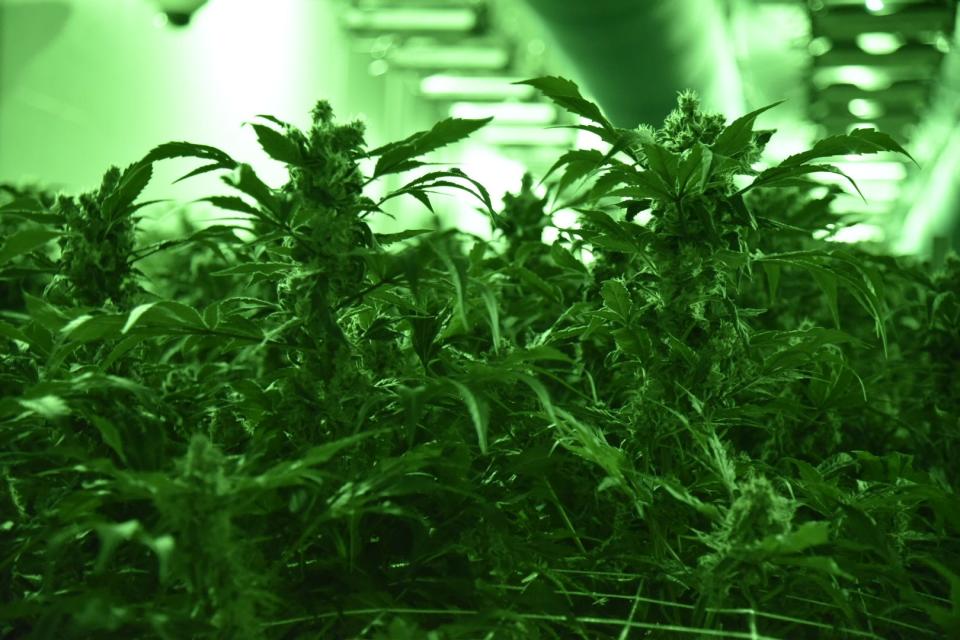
{"points": [[691, 416]]}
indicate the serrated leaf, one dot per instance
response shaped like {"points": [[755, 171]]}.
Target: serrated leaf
{"points": [[738, 134], [828, 283], [617, 298], [664, 163], [246, 180], [122, 348], [135, 315], [566, 260], [248, 268], [694, 171], [578, 162], [772, 272], [858, 142], [808, 534], [110, 434], [9, 331], [493, 314], [190, 150], [132, 183], [534, 280], [48, 406], [44, 314], [782, 176], [25, 241], [445, 132], [232, 203], [211, 315], [478, 410], [541, 392], [277, 145], [566, 94], [457, 268], [390, 238], [824, 564], [87, 328], [165, 313]]}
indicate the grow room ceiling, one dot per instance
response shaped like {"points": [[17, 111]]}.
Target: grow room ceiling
{"points": [[838, 64]]}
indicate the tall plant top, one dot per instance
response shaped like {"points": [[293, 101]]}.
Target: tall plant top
{"points": [[690, 414]]}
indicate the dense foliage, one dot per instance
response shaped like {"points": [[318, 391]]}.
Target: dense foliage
{"points": [[716, 426]]}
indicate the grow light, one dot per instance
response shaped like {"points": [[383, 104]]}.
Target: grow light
{"points": [[433, 56], [878, 43], [866, 109], [527, 136], [475, 87], [875, 6], [418, 19], [866, 78], [506, 112]]}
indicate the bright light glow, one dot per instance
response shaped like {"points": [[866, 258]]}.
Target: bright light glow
{"points": [[506, 112], [378, 67], [243, 80], [498, 173], [433, 56], [867, 78], [526, 136], [876, 192], [865, 109], [456, 19], [932, 206], [879, 43], [942, 43], [858, 233], [565, 219], [874, 6], [549, 235], [477, 88], [819, 46], [872, 170]]}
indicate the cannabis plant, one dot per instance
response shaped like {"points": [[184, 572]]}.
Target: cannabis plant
{"points": [[687, 416]]}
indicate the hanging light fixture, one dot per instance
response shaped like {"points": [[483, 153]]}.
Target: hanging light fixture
{"points": [[179, 13]]}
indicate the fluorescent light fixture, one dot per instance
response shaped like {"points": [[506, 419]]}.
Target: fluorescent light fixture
{"points": [[433, 56], [865, 109], [475, 87], [879, 43], [412, 19], [867, 78], [506, 112], [526, 136], [874, 6]]}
